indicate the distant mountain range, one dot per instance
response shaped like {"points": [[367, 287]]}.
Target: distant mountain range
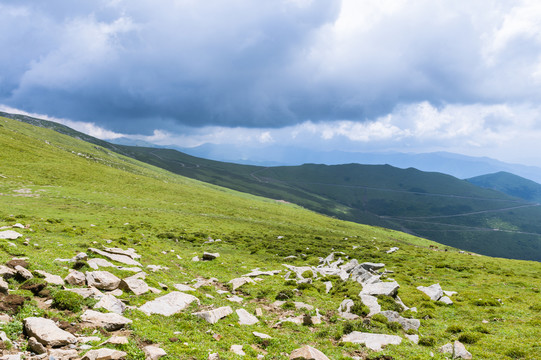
{"points": [[432, 205], [460, 166]]}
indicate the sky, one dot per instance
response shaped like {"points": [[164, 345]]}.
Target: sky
{"points": [[461, 76]]}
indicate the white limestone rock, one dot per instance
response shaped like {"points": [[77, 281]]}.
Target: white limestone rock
{"points": [[102, 280], [46, 332], [212, 316], [374, 342], [380, 288], [111, 303], [108, 321], [10, 235], [168, 304], [245, 318]]}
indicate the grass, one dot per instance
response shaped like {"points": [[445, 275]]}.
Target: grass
{"points": [[74, 195]]}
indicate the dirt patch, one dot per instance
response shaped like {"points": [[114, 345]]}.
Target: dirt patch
{"points": [[15, 262], [11, 304]]}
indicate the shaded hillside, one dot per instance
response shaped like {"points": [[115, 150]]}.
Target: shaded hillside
{"points": [[509, 184], [432, 205]]}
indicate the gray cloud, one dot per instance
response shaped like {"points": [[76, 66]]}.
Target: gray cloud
{"points": [[135, 66]]}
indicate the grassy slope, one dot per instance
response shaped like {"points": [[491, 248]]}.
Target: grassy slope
{"points": [[88, 195], [432, 205], [509, 184]]}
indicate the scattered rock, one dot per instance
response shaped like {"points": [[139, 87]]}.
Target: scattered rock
{"points": [[169, 304], [372, 341], [7, 272], [124, 259], [50, 278], [23, 273], [238, 282], [109, 321], [96, 263], [117, 340], [457, 350], [235, 298], [153, 352], [307, 353], [104, 354], [156, 268], [134, 284], [195, 258], [212, 316], [103, 280], [407, 324], [76, 278], [392, 250], [46, 332], [210, 256], [35, 346], [261, 335], [63, 354], [300, 305], [130, 252], [111, 303], [413, 338], [88, 292], [245, 318], [434, 292], [446, 300], [372, 303], [237, 349], [4, 286], [256, 273], [328, 286], [214, 356], [380, 288], [182, 287], [10, 235]]}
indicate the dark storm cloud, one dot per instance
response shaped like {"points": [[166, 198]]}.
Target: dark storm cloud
{"points": [[134, 66]]}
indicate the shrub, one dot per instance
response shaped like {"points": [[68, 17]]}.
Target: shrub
{"points": [[67, 300], [285, 294], [454, 329], [388, 303], [468, 338], [486, 302], [427, 341], [481, 329], [394, 326], [380, 318], [360, 309]]}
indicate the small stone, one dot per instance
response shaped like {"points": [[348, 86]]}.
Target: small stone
{"points": [[212, 316], [245, 318], [50, 278], [217, 337], [210, 256], [307, 353], [446, 300], [118, 340], [372, 341], [75, 278], [434, 292], [153, 352], [258, 312], [35, 346], [111, 303], [24, 273], [169, 304], [380, 288], [108, 321], [103, 280], [104, 354], [10, 235], [4, 286], [237, 349], [261, 335]]}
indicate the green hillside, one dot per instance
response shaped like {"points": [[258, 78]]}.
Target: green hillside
{"points": [[510, 184], [431, 205], [71, 195]]}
